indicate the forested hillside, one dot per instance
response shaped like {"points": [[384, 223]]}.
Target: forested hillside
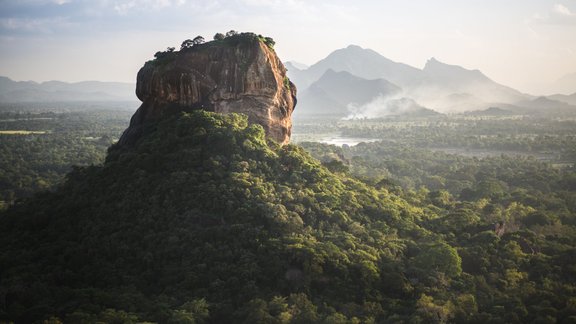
{"points": [[203, 220], [40, 142]]}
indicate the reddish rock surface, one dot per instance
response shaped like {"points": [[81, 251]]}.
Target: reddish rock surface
{"points": [[240, 74]]}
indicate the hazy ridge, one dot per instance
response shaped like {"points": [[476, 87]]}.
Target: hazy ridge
{"points": [[53, 91], [438, 86]]}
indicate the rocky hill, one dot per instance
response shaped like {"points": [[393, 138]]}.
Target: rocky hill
{"points": [[240, 74]]}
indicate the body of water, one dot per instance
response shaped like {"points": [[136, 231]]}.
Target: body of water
{"points": [[350, 141], [332, 139]]}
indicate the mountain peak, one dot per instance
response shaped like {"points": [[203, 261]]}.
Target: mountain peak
{"points": [[435, 63], [456, 73], [364, 63], [351, 52], [330, 73], [354, 47], [295, 65]]}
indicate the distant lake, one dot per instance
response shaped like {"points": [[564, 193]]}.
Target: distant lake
{"points": [[332, 139], [350, 141]]}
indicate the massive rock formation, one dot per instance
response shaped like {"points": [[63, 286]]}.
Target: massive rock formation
{"points": [[240, 73]]}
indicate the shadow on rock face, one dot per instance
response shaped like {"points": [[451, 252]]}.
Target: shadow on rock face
{"points": [[240, 75]]}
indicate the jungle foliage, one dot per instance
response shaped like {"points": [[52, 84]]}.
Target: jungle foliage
{"points": [[205, 221]]}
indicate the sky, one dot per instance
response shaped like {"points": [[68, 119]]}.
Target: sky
{"points": [[525, 44]]}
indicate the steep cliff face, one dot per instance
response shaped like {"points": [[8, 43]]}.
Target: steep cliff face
{"points": [[238, 74]]}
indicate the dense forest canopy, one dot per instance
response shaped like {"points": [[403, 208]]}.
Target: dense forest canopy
{"points": [[204, 220], [40, 143]]}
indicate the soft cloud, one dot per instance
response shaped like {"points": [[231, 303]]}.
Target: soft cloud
{"points": [[273, 3], [33, 25], [267, 8], [318, 11], [559, 14], [124, 7], [562, 10]]}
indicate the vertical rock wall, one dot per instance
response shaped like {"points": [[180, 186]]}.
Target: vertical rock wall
{"points": [[241, 75]]}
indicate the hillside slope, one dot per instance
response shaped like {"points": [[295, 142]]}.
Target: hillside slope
{"points": [[204, 221], [203, 210]]}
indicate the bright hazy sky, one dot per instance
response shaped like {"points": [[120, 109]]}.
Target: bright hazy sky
{"points": [[520, 43]]}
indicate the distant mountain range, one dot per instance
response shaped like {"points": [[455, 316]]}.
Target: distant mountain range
{"points": [[492, 111], [293, 64], [363, 63], [569, 99], [566, 84], [354, 81], [349, 82], [57, 91]]}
